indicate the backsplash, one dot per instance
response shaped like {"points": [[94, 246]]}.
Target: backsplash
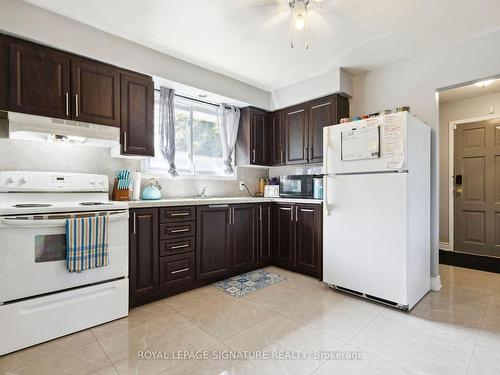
{"points": [[295, 169], [40, 156]]}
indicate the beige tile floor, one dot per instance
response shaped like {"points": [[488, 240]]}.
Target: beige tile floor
{"points": [[455, 331]]}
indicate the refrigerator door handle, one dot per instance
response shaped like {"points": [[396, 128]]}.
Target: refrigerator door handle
{"points": [[326, 207]]}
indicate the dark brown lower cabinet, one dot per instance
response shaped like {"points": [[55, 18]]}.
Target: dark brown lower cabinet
{"points": [[284, 235], [143, 255], [298, 237], [264, 245], [177, 272], [243, 237], [213, 253], [308, 239]]}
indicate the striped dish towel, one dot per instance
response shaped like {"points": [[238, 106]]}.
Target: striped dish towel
{"points": [[86, 243]]}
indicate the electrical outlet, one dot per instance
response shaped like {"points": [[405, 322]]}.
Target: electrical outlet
{"points": [[242, 185]]}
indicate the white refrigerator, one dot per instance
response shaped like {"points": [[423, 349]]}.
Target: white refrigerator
{"points": [[376, 223]]}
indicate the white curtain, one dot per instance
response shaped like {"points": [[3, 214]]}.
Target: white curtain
{"points": [[229, 121], [167, 128]]}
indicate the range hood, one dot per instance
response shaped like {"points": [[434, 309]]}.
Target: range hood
{"points": [[15, 125]]}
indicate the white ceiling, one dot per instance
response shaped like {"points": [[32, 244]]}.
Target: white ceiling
{"points": [[468, 91], [243, 40]]}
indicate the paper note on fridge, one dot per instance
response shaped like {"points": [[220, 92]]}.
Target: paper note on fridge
{"points": [[360, 143], [393, 146]]}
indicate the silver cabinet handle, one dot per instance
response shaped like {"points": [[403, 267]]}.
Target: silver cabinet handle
{"points": [[67, 104], [253, 157], [179, 246], [296, 214], [180, 214], [260, 213], [179, 230], [125, 141], [134, 222], [179, 271], [281, 157], [77, 112], [218, 206], [233, 214], [291, 214]]}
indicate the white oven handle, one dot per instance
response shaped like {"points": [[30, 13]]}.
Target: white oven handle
{"points": [[50, 223]]}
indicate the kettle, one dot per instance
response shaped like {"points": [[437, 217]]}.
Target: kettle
{"points": [[152, 191]]}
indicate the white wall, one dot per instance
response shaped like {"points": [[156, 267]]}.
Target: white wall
{"points": [[452, 111], [334, 81], [30, 22], [413, 82]]}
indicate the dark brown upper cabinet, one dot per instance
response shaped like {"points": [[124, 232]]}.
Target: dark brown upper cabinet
{"points": [[4, 73], [296, 134], [39, 80], [137, 114], [96, 92], [251, 146], [276, 138]]}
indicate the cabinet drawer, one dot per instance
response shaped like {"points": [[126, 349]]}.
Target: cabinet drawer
{"points": [[177, 271], [181, 245], [174, 214], [176, 230]]}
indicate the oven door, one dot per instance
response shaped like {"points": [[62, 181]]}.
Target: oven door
{"points": [[33, 253]]}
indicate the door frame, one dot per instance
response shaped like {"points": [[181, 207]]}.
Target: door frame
{"points": [[451, 155]]}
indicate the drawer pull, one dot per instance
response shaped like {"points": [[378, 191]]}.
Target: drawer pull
{"points": [[179, 246], [180, 214], [179, 271], [180, 230]]}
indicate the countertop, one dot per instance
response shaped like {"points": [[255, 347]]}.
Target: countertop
{"points": [[215, 200]]}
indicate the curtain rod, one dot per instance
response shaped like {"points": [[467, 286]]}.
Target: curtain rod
{"points": [[197, 100]]}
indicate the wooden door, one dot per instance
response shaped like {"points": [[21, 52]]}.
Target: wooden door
{"points": [[137, 114], [243, 237], [4, 72], [143, 254], [308, 238], [258, 137], [276, 139], [39, 80], [212, 242], [321, 114], [296, 127], [477, 188], [96, 92], [284, 235], [265, 254]]}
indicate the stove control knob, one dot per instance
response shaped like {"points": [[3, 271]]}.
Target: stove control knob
{"points": [[11, 180], [23, 180]]}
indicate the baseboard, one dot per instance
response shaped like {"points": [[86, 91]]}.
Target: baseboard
{"points": [[477, 262], [436, 283], [444, 246]]}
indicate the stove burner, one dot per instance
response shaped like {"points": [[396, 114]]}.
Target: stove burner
{"points": [[92, 203], [31, 205]]}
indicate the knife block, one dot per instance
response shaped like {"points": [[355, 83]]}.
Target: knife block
{"points": [[120, 194]]}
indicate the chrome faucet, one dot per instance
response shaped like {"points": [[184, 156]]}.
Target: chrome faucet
{"points": [[203, 193]]}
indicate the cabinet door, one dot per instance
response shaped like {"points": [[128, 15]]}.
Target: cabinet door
{"points": [[137, 114], [243, 237], [308, 241], [321, 114], [143, 254], [96, 92], [341, 108], [212, 242], [177, 272], [39, 80], [284, 229], [276, 139], [264, 256], [4, 73], [296, 126], [258, 137]]}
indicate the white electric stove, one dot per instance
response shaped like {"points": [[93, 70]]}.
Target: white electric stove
{"points": [[39, 299]]}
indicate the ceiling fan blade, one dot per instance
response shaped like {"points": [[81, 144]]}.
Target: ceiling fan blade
{"points": [[256, 4]]}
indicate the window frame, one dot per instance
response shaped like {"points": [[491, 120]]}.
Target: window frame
{"points": [[190, 105]]}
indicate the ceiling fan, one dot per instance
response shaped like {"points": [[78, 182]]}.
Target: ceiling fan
{"points": [[298, 11]]}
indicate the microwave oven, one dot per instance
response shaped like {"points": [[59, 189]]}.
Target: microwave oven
{"points": [[298, 186]]}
